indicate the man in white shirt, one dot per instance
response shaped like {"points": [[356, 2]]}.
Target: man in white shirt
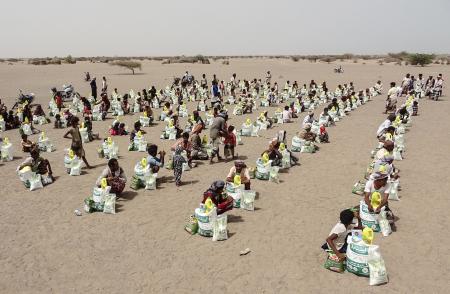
{"points": [[287, 116], [384, 125], [309, 118]]}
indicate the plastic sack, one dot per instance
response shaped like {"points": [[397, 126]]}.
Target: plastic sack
{"points": [[220, 231], [192, 225], [98, 195], [263, 170], [26, 129], [333, 264], [274, 175], [393, 192], [397, 154], [35, 182], [110, 204], [358, 256], [205, 221], [75, 169], [6, 151], [358, 188], [248, 200], [377, 269], [368, 219], [385, 227], [239, 139], [150, 183]]}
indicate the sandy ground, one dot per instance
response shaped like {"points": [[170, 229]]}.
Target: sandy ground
{"points": [[45, 248]]}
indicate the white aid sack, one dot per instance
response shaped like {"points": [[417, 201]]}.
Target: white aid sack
{"points": [[358, 256], [99, 194], [150, 182], [393, 192], [75, 169], [248, 200], [110, 204], [377, 269], [220, 231], [35, 182], [385, 227]]}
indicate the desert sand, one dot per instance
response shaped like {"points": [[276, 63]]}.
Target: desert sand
{"points": [[45, 248]]}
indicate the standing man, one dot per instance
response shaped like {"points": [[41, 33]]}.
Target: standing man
{"points": [[94, 88], [104, 85], [217, 130], [268, 77]]}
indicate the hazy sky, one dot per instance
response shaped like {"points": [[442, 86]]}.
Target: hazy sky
{"points": [[38, 28]]}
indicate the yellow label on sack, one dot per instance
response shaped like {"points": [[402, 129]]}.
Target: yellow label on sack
{"points": [[145, 113], [1, 117], [139, 134], [171, 123], [248, 122], [104, 183], [388, 136], [71, 154], [144, 162], [5, 141], [109, 140], [209, 205], [237, 180], [278, 109], [205, 140], [265, 158], [282, 147], [375, 200], [382, 169], [333, 108], [192, 118], [367, 235], [43, 135], [261, 115], [26, 120], [165, 109]]}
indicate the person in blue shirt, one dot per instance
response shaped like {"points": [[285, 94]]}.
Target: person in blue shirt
{"points": [[153, 161]]}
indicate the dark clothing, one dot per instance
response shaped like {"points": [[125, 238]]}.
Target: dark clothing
{"points": [[94, 89]]}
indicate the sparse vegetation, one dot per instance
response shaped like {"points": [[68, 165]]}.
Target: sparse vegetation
{"points": [[420, 59], [226, 62], [69, 60], [295, 58], [328, 59], [187, 59], [128, 64]]}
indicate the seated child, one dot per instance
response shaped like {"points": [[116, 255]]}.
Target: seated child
{"points": [[323, 135], [122, 131], [58, 123], [230, 143], [88, 125], [287, 116], [114, 131], [27, 145], [137, 128], [337, 239]]}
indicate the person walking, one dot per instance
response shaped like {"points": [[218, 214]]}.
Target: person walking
{"points": [[93, 84]]}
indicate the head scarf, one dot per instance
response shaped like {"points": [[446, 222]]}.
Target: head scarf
{"points": [[216, 185], [273, 144], [239, 163]]}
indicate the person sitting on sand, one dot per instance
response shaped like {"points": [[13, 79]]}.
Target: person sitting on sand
{"points": [[137, 129], [287, 116], [274, 152], [307, 135], [309, 118], [88, 126], [114, 130], [388, 134], [218, 197], [337, 239], [27, 145], [197, 148], [115, 177], [240, 168], [153, 161], [38, 165], [387, 149], [387, 123], [378, 186]]}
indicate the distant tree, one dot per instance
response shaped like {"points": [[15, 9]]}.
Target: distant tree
{"points": [[70, 60], [131, 65], [420, 59]]}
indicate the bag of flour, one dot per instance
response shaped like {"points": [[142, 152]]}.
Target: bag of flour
{"points": [[385, 227], [368, 219], [274, 174], [248, 200], [220, 231], [357, 257], [110, 204], [150, 183], [35, 182], [393, 192], [377, 269]]}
